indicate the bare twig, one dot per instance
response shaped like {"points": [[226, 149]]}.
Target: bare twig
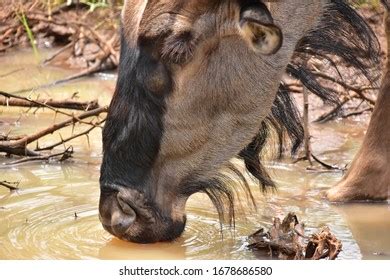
{"points": [[13, 100], [357, 113], [19, 147], [78, 32], [63, 141], [12, 186], [333, 113], [62, 104], [62, 156], [359, 91], [39, 103], [327, 166]]}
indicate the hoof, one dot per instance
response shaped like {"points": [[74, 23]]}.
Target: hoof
{"points": [[337, 194], [349, 193]]}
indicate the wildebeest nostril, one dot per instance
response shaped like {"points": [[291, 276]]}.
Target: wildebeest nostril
{"points": [[122, 219], [125, 207]]}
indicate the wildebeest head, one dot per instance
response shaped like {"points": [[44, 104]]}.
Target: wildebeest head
{"points": [[196, 80]]}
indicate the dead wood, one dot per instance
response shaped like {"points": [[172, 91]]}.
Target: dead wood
{"points": [[61, 156], [327, 165], [360, 91], [65, 140], [89, 44], [357, 113], [19, 146], [287, 240], [12, 186], [8, 99], [39, 104]]}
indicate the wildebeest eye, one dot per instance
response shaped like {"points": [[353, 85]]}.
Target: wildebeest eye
{"points": [[153, 75], [179, 48], [158, 79]]}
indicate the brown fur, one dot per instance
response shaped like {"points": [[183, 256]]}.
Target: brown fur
{"points": [[207, 121]]}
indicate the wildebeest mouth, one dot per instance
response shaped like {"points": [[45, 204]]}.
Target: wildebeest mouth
{"points": [[129, 215]]}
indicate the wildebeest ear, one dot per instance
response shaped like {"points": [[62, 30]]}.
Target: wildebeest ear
{"points": [[259, 30]]}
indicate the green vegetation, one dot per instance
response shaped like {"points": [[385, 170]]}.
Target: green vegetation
{"points": [[30, 34]]}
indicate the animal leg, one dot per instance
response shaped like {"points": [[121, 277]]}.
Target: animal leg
{"points": [[369, 175]]}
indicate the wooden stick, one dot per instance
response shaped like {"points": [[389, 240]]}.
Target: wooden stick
{"points": [[9, 185], [63, 141], [19, 147], [63, 104], [63, 156], [41, 104]]}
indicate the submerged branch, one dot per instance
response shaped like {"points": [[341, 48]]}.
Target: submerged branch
{"points": [[12, 186], [326, 165]]}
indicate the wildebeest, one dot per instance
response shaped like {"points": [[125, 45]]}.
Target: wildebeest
{"points": [[199, 84]]}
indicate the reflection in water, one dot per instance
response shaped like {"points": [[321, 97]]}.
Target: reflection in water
{"points": [[370, 225], [121, 250], [54, 216]]}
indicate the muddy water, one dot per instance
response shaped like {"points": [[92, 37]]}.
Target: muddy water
{"points": [[54, 215]]}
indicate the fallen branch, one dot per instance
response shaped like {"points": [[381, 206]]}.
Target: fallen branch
{"points": [[12, 186], [38, 103], [19, 147], [58, 52], [63, 141], [8, 99], [331, 114], [62, 156], [357, 113], [359, 91], [326, 165]]}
